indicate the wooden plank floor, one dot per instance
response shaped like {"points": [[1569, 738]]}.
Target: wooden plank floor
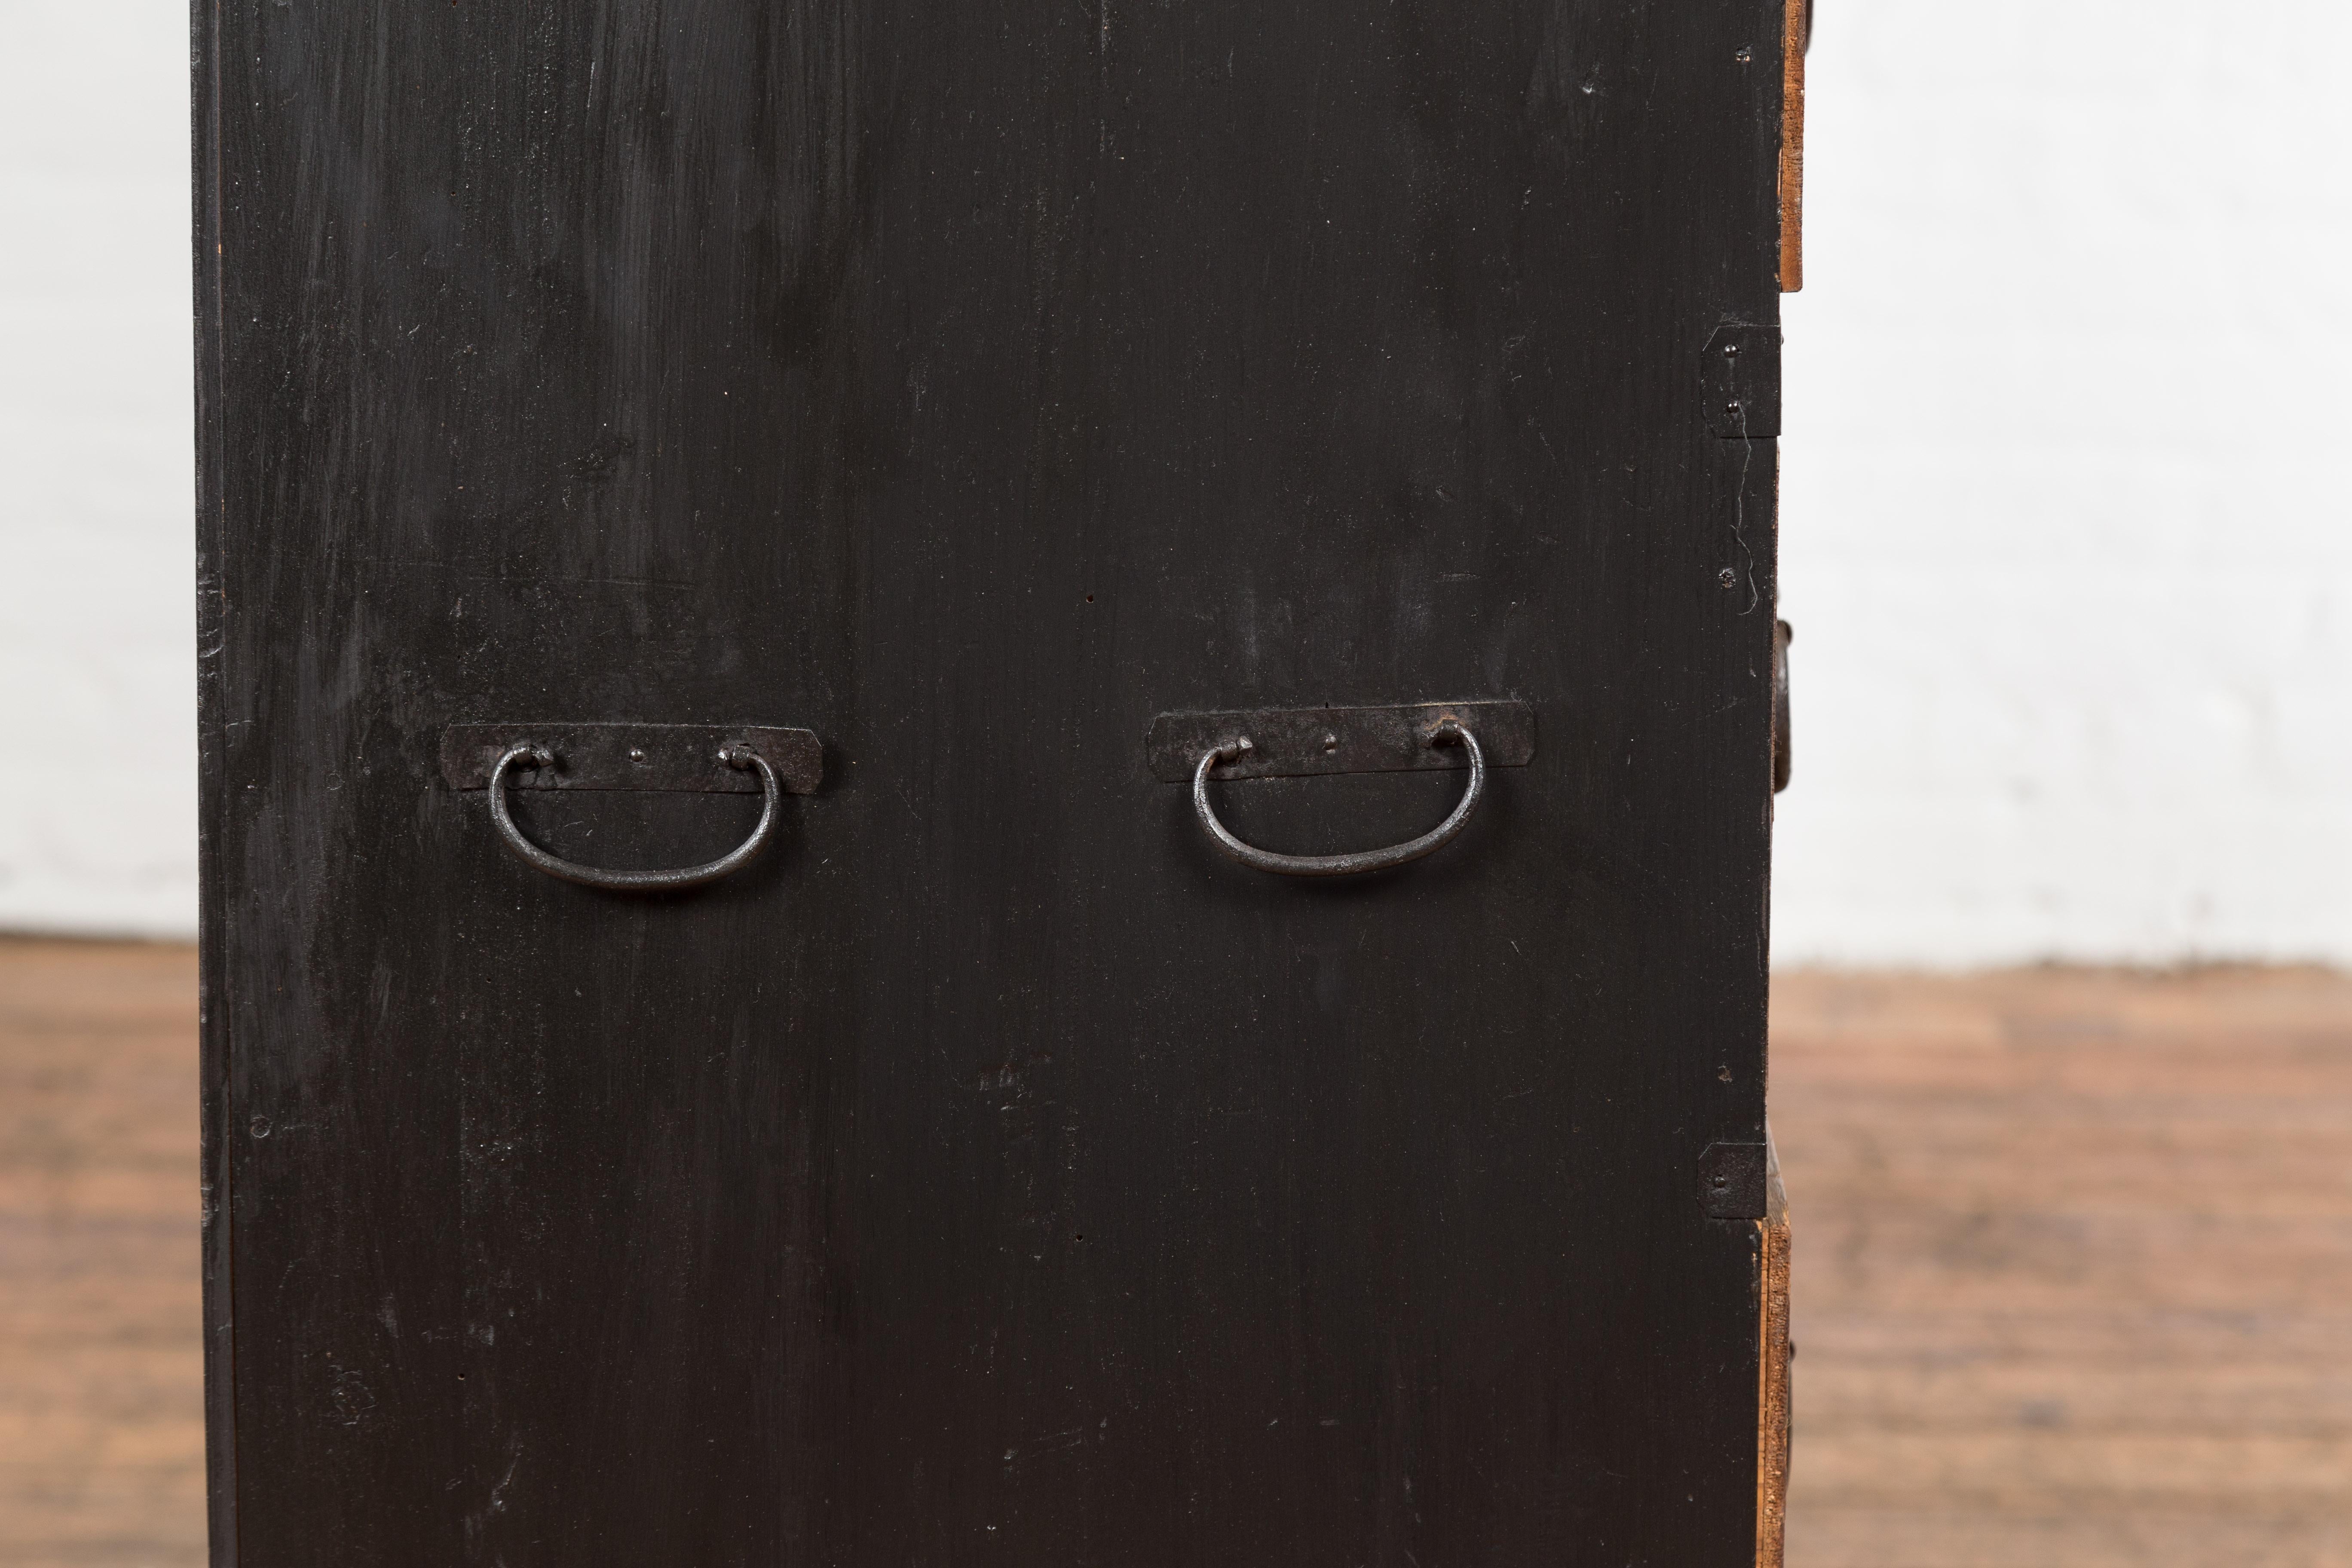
{"points": [[2073, 1266], [101, 1383]]}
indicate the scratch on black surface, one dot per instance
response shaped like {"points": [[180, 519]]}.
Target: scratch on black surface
{"points": [[1739, 506]]}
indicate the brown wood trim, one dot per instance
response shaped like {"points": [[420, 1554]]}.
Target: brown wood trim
{"points": [[1796, 29], [1772, 1370]]}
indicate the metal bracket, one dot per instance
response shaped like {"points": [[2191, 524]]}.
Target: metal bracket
{"points": [[1297, 742], [1740, 382], [1731, 1181], [682, 758], [1783, 751]]}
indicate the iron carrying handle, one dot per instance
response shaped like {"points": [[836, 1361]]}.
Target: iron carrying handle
{"points": [[529, 753], [1340, 865]]}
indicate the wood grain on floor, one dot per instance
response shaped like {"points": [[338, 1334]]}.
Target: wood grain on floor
{"points": [[2073, 1284], [2073, 1267], [101, 1380]]}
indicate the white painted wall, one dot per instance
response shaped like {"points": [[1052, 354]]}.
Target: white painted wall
{"points": [[98, 733], [2066, 532], [2065, 535]]}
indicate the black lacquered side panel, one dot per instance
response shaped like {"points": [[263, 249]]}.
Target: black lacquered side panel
{"points": [[991, 1174]]}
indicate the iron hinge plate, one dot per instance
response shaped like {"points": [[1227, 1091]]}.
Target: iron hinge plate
{"points": [[1732, 1182], [1740, 382]]}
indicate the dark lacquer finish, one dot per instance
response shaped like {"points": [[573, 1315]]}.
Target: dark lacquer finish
{"points": [[991, 1172]]}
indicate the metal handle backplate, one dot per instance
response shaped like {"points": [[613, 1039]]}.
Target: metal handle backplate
{"points": [[625, 756]]}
